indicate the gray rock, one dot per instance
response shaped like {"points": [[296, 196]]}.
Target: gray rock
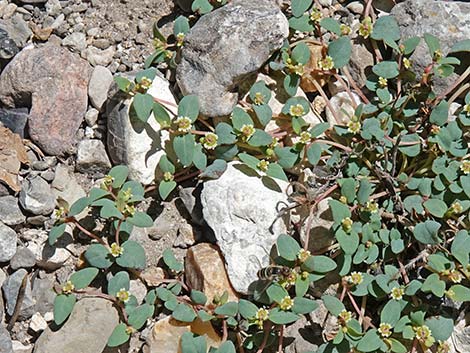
{"points": [[10, 212], [65, 185], [92, 157], [14, 33], [100, 81], [43, 294], [91, 116], [53, 7], [8, 240], [75, 41], [97, 56], [243, 213], [5, 341], [361, 62], [133, 143], [36, 196], [11, 288], [24, 258], [88, 327], [224, 47], [446, 20], [14, 119]]}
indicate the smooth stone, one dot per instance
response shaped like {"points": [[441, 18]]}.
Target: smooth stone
{"points": [[92, 157], [66, 186], [361, 62], [75, 41], [14, 119], [98, 87], [6, 345], [24, 258], [8, 239], [36, 196], [10, 213], [97, 56], [11, 288], [343, 106], [244, 214], [91, 117], [89, 326], [14, 34]]}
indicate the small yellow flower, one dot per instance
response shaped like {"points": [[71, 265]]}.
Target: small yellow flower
{"points": [[298, 68], [365, 28], [345, 29], [158, 44], [107, 182], [123, 295], [303, 255], [179, 39], [167, 176], [437, 55], [372, 206], [296, 110], [383, 82], [116, 250], [304, 275], [316, 15], [397, 293], [450, 294], [145, 83], [344, 317], [305, 137], [465, 167], [343, 199], [127, 195], [130, 330], [286, 303], [263, 165], [456, 208], [435, 129], [347, 224], [455, 276], [60, 212], [354, 126], [209, 141], [68, 287], [259, 98], [355, 278], [466, 109], [423, 334], [407, 63], [129, 210], [262, 314], [443, 347], [247, 131], [326, 63], [290, 280], [184, 124], [385, 330]]}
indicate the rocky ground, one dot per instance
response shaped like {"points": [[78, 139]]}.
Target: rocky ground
{"points": [[63, 127]]}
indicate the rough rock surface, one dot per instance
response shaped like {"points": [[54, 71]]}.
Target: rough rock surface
{"points": [[7, 242], [224, 47], [11, 288], [14, 33], [205, 271], [88, 327], [36, 196], [133, 143], [53, 82], [65, 185], [447, 20], [92, 157], [243, 214], [10, 213], [5, 341], [100, 81]]}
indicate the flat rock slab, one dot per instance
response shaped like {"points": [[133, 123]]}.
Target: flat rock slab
{"points": [[243, 214], [53, 82], [224, 47], [86, 331]]}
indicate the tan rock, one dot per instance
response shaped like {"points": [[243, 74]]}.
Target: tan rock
{"points": [[153, 276], [311, 69], [166, 334], [205, 271]]}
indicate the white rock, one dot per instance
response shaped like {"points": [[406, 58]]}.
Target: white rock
{"points": [[8, 240], [138, 289], [49, 316], [343, 106], [91, 117], [100, 81], [38, 323], [75, 41], [97, 56], [19, 347], [136, 144], [65, 185], [92, 157], [243, 214]]}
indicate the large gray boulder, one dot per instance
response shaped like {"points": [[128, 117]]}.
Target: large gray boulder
{"points": [[224, 47]]}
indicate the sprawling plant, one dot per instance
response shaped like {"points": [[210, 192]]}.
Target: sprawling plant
{"points": [[398, 192]]}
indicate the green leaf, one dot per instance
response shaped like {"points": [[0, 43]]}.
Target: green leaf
{"points": [[119, 174], [141, 219], [171, 261], [370, 342], [228, 309], [411, 44], [302, 24], [247, 309], [240, 117], [427, 232], [439, 114], [260, 138], [300, 6], [133, 255], [386, 29], [260, 94], [189, 107], [340, 51], [391, 312], [441, 327], [63, 306], [215, 170], [301, 53], [264, 113], [119, 335], [109, 209], [184, 313], [249, 160], [319, 263], [314, 153], [181, 25], [139, 316], [435, 207], [291, 84], [165, 165], [276, 293], [279, 317], [460, 247], [411, 150], [304, 305], [463, 45], [184, 147], [204, 316], [120, 281], [432, 42], [319, 129], [386, 69], [348, 188], [78, 206], [287, 247], [397, 346], [161, 115], [82, 279], [461, 293], [198, 297], [226, 347], [434, 284], [333, 304], [225, 134], [347, 242], [465, 182], [331, 25], [276, 171], [165, 188], [339, 210], [201, 6], [287, 156], [301, 285], [143, 105], [149, 73], [123, 83], [98, 256], [56, 232]]}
